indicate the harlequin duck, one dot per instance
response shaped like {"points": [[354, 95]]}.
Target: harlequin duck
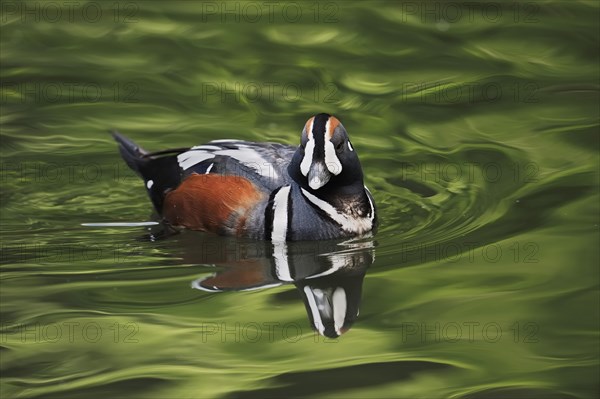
{"points": [[261, 190]]}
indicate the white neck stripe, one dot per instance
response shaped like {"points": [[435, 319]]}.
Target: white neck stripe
{"points": [[350, 224]]}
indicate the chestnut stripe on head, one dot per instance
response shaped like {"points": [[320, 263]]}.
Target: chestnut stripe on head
{"points": [[308, 127], [332, 123]]}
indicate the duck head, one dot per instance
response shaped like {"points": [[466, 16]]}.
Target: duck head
{"points": [[325, 157]]}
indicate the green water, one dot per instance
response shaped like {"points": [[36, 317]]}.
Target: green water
{"points": [[477, 128]]}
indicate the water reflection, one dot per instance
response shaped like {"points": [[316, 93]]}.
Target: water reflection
{"points": [[328, 274]]}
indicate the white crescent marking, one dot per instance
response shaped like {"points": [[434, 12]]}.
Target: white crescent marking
{"points": [[280, 214], [356, 225], [282, 267]]}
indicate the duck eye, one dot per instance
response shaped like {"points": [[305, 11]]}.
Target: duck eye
{"points": [[339, 146]]}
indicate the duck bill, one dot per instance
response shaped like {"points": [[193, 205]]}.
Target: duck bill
{"points": [[318, 175]]}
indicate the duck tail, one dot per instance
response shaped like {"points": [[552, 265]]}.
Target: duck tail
{"points": [[160, 170], [131, 153]]}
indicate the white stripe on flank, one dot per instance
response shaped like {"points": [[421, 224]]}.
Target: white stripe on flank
{"points": [[280, 214], [355, 225], [317, 322]]}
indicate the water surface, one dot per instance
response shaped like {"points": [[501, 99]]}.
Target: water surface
{"points": [[478, 135]]}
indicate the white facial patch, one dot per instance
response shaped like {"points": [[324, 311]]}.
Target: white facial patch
{"points": [[308, 156], [331, 160], [308, 150], [350, 146]]}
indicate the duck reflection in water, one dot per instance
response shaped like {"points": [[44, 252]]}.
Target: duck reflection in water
{"points": [[328, 274]]}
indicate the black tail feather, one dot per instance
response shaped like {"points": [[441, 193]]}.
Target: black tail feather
{"points": [[160, 170], [131, 152]]}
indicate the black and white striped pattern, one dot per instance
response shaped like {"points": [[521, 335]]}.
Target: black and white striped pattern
{"points": [[281, 209], [279, 212], [326, 307], [235, 149], [350, 224], [320, 160], [278, 215]]}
